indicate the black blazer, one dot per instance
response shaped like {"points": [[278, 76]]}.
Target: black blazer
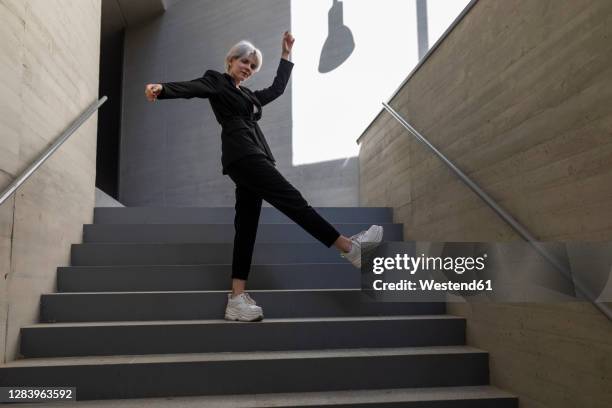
{"points": [[237, 110]]}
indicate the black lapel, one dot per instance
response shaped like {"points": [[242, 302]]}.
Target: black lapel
{"points": [[244, 93], [231, 85], [251, 96]]}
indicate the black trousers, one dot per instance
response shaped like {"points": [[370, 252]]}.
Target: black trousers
{"points": [[256, 178]]}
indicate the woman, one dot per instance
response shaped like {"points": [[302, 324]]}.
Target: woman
{"points": [[247, 159]]}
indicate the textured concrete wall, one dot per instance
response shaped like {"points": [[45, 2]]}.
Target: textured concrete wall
{"points": [[518, 96], [49, 75], [171, 150]]}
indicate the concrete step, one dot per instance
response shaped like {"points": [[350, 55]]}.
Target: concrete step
{"points": [[134, 278], [134, 306], [484, 396], [192, 254], [225, 215], [203, 336], [216, 233], [116, 377]]}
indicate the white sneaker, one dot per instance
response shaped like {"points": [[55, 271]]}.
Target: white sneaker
{"points": [[365, 241], [249, 299], [243, 308]]}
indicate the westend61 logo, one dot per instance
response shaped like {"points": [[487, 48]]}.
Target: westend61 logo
{"points": [[432, 271], [411, 264], [455, 266]]}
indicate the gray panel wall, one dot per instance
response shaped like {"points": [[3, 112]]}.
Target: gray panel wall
{"points": [[170, 150]]}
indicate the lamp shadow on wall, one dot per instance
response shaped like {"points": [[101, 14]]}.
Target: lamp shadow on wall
{"points": [[339, 44]]}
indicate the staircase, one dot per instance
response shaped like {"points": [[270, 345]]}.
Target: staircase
{"points": [[139, 314]]}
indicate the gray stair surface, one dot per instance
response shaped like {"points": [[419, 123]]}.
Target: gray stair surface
{"points": [[215, 233], [483, 396], [198, 253], [138, 321], [128, 278], [109, 377], [225, 215], [202, 336], [125, 306]]}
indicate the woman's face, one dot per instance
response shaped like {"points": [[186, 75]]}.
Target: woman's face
{"points": [[242, 68]]}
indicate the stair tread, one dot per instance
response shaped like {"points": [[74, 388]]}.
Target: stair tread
{"points": [[284, 243], [223, 321], [241, 355], [232, 224], [171, 208], [297, 399], [208, 264], [202, 291]]}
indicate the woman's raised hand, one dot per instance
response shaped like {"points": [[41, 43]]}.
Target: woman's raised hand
{"points": [[151, 91], [287, 43]]}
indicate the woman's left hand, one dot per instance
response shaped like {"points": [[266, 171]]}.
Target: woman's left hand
{"points": [[287, 43]]}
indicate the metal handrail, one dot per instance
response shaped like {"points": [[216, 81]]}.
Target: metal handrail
{"points": [[58, 142], [520, 229]]}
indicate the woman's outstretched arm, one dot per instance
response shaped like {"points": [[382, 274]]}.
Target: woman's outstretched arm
{"points": [[203, 87], [283, 73]]}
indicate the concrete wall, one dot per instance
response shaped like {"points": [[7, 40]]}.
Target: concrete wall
{"points": [[518, 96], [49, 75], [171, 150]]}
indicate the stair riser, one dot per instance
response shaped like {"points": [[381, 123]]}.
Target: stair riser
{"points": [[191, 254], [225, 215], [205, 277], [464, 403], [211, 305], [115, 381], [234, 337], [216, 233], [488, 403]]}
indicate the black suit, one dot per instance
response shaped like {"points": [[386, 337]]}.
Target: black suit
{"points": [[237, 110], [247, 159]]}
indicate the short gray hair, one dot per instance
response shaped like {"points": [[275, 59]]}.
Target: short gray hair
{"points": [[241, 50]]}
